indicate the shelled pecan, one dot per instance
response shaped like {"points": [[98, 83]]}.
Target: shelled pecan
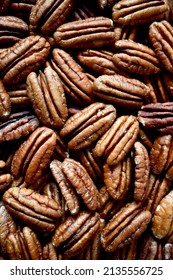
{"points": [[121, 90], [18, 96], [35, 210], [46, 92], [22, 8], [5, 103], [5, 177]]}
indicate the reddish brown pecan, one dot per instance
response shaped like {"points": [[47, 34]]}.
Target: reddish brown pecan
{"points": [[47, 97], [93, 32]]}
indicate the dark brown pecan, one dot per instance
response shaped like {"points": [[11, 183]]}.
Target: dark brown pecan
{"points": [[118, 140], [134, 12], [22, 58], [82, 11], [35, 210], [135, 57], [5, 103], [148, 249], [145, 138], [33, 156], [129, 252], [4, 5], [12, 30], [47, 97], [158, 187], [126, 226], [161, 37], [75, 81], [46, 16], [61, 151], [141, 170], [99, 61], [162, 221], [7, 226], [93, 32], [86, 126], [125, 32], [22, 8], [121, 91], [168, 84], [18, 96], [76, 232], [158, 116], [68, 191], [18, 125], [117, 178]]}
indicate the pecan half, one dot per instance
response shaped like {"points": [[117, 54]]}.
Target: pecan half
{"points": [[47, 97], [46, 16], [75, 233], [161, 37], [5, 103], [18, 125], [75, 81], [158, 116], [162, 221], [121, 91], [33, 156], [135, 57], [22, 58], [142, 170], [86, 126], [35, 210], [134, 12], [118, 140], [117, 178], [5, 177], [93, 32], [126, 226]]}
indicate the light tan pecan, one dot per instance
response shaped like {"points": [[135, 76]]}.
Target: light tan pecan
{"points": [[126, 226], [47, 97], [22, 58], [134, 12], [158, 116], [141, 171], [162, 221], [161, 37], [46, 16], [86, 126], [5, 102], [76, 232], [117, 178], [135, 57], [121, 91], [35, 210], [67, 189], [75, 81], [118, 140], [33, 155], [93, 32]]}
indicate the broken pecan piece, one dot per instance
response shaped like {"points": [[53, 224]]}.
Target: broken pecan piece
{"points": [[33, 156], [125, 227], [118, 140], [86, 126], [93, 32], [47, 97], [35, 210]]}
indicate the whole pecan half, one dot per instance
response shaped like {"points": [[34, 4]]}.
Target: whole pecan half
{"points": [[5, 102], [118, 140], [22, 58], [75, 81], [33, 155], [162, 221], [126, 226], [47, 97], [134, 12], [86, 126], [35, 210], [161, 37], [135, 57], [93, 32], [158, 116], [18, 125], [74, 234], [121, 91], [46, 16]]}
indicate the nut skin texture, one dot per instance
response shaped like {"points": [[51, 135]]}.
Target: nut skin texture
{"points": [[162, 222]]}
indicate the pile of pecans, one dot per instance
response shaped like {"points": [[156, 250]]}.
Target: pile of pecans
{"points": [[86, 129]]}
